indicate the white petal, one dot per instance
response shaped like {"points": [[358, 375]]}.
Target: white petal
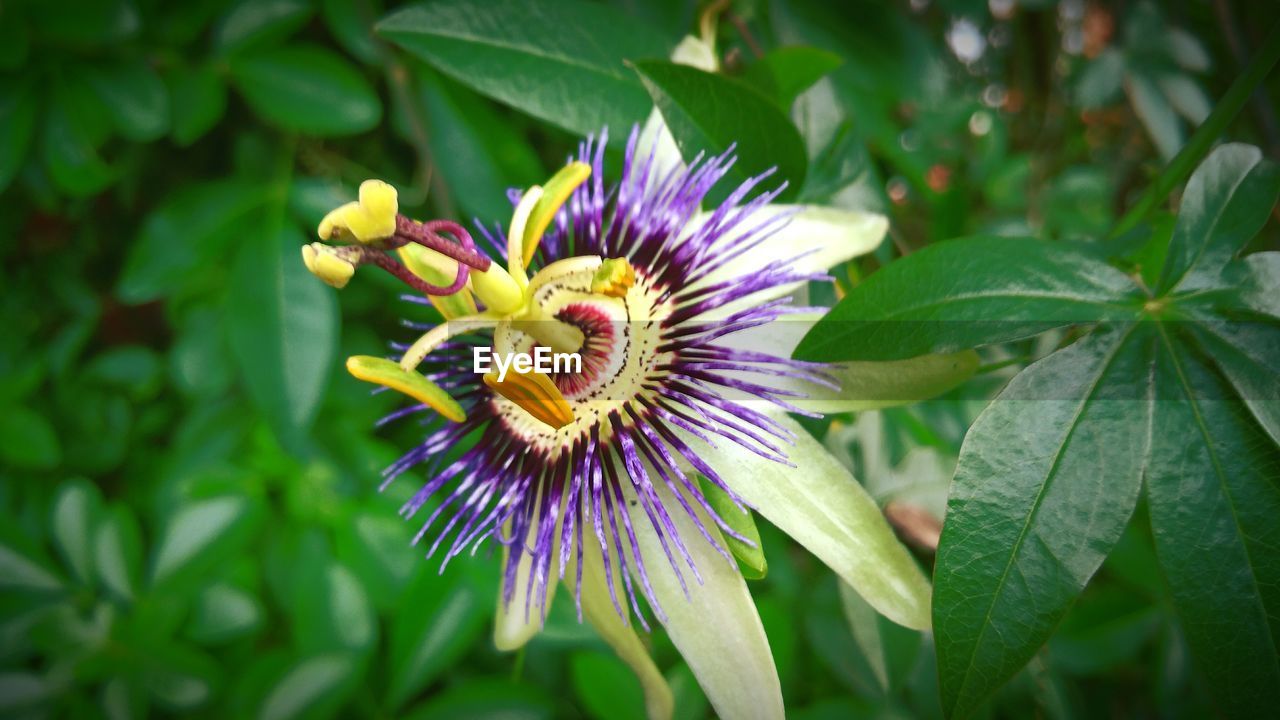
{"points": [[598, 609], [826, 510], [511, 627], [824, 236], [716, 629]]}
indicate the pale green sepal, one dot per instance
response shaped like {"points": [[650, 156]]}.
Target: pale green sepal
{"points": [[598, 609], [514, 626], [821, 506], [716, 628], [751, 560], [875, 385], [813, 240]]}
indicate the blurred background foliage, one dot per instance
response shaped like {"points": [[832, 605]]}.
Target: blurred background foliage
{"points": [[190, 522]]}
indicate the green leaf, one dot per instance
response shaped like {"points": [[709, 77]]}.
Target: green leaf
{"points": [[486, 699], [18, 108], [375, 547], [1186, 96], [1046, 481], [283, 329], [1214, 500], [1248, 354], [22, 567], [135, 97], [561, 61], [1259, 288], [606, 687], [118, 552], [1227, 200], [1100, 82], [199, 98], [75, 517], [224, 612], [197, 535], [709, 113], [964, 293], [307, 88], [179, 677], [86, 23], [30, 442], [475, 149], [259, 23], [437, 620], [786, 72], [750, 557], [332, 611], [191, 229], [315, 683], [22, 691], [1157, 115], [71, 134], [351, 24], [890, 650]]}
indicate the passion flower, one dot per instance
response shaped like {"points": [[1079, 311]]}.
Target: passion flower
{"points": [[630, 480]]}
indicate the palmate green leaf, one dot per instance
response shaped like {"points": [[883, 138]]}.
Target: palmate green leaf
{"points": [[708, 113], [1227, 200], [1248, 354], [1046, 481], [561, 61], [1259, 285], [964, 293], [307, 88], [1214, 499], [283, 324]]}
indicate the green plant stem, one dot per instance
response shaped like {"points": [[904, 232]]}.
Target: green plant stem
{"points": [[1213, 126]]}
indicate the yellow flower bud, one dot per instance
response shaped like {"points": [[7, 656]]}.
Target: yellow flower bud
{"points": [[497, 290]]}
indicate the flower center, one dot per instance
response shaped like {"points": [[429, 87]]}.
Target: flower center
{"points": [[620, 350]]}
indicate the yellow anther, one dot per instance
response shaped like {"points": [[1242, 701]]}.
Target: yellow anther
{"points": [[517, 260], [614, 278], [371, 218], [325, 264], [536, 394], [554, 194], [381, 371], [497, 290]]}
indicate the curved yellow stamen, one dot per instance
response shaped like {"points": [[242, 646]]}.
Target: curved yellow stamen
{"points": [[554, 195], [432, 339], [517, 262], [536, 394], [381, 371]]}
